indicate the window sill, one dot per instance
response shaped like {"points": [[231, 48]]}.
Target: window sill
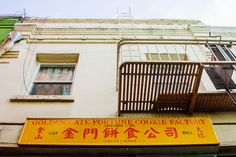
{"points": [[41, 98]]}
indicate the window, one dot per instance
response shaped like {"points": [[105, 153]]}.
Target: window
{"points": [[53, 80], [166, 57], [174, 70]]}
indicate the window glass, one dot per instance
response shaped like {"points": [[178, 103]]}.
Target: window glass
{"points": [[53, 80], [51, 89], [166, 57], [55, 74]]}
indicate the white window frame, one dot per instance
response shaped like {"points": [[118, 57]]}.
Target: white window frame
{"points": [[53, 81], [169, 55]]}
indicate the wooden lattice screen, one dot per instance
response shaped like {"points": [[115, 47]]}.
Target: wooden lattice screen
{"points": [[158, 86]]}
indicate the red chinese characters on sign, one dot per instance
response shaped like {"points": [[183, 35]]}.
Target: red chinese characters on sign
{"points": [[151, 133], [200, 133], [92, 131], [171, 132], [131, 132], [118, 131], [39, 133], [110, 132], [69, 133]]}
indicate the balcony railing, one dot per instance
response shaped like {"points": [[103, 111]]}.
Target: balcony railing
{"points": [[158, 86], [212, 102], [172, 86]]}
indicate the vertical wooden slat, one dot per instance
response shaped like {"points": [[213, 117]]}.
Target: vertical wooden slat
{"points": [[191, 81], [124, 84], [182, 84], [131, 88], [180, 78], [221, 104], [139, 88], [164, 85], [221, 99], [186, 76], [120, 91], [153, 87], [202, 101], [212, 101], [168, 77], [145, 87], [135, 87], [215, 100], [161, 81], [150, 75], [127, 85], [142, 87], [179, 84], [171, 75], [227, 100], [176, 66], [195, 88], [157, 85], [208, 101], [198, 101], [190, 68]]}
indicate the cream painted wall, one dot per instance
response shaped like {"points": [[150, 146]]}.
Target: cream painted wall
{"points": [[94, 84], [93, 87]]}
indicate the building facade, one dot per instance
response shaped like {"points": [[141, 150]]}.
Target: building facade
{"points": [[107, 68]]}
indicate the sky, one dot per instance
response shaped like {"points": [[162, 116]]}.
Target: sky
{"points": [[210, 12]]}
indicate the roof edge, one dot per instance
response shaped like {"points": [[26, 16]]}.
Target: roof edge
{"points": [[137, 21]]}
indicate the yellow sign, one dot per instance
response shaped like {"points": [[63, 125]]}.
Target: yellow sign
{"points": [[119, 131]]}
